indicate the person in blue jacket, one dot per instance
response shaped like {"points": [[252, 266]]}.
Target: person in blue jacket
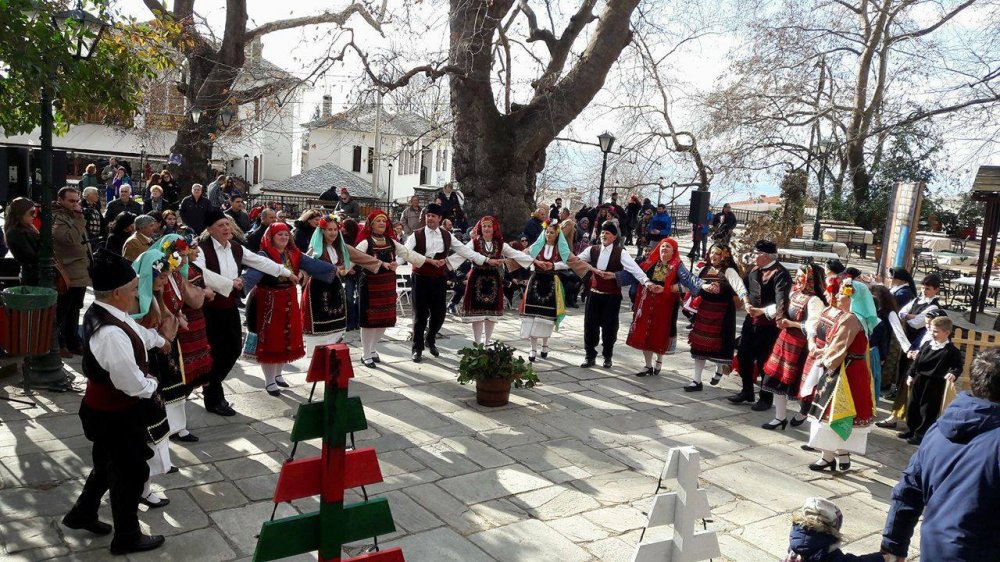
{"points": [[954, 478], [816, 536], [661, 225]]}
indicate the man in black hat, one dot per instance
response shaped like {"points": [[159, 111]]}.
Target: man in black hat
{"points": [[121, 410], [220, 254], [769, 286], [430, 284], [600, 320]]}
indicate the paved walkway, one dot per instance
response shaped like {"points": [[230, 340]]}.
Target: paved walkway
{"points": [[564, 473]]}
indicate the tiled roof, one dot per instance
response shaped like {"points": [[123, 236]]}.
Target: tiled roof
{"points": [[319, 179], [363, 120]]}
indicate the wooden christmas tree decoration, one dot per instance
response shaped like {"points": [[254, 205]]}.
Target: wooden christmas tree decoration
{"points": [[336, 469], [680, 509]]}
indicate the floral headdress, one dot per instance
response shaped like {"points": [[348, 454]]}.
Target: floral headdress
{"points": [[175, 247], [317, 243]]}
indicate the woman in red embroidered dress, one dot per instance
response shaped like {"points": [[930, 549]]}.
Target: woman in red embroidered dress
{"points": [[713, 337], [784, 368], [482, 304], [273, 316], [843, 406], [376, 287], [654, 323]]}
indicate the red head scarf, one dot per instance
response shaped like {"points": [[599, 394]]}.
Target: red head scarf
{"points": [[654, 257], [367, 231], [291, 250], [477, 233]]}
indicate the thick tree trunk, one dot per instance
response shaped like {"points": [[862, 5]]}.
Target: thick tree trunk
{"points": [[857, 171], [194, 145]]}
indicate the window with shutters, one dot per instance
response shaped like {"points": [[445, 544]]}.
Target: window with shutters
{"points": [[356, 165], [371, 159], [444, 160]]}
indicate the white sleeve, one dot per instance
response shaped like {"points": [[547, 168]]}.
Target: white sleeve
{"points": [[200, 260], [585, 255], [522, 259], [362, 246], [897, 330], [770, 311], [109, 345], [630, 266], [736, 282], [406, 254], [411, 240], [216, 282], [455, 261], [264, 265], [466, 252], [814, 308], [920, 320]]}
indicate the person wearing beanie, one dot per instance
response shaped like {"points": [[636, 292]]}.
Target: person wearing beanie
{"points": [[769, 287], [121, 410], [815, 535], [140, 241], [600, 319], [221, 257], [430, 284]]}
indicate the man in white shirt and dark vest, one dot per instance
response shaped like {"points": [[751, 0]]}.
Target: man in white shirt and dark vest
{"points": [[220, 254], [600, 319], [769, 288], [121, 410], [429, 280]]}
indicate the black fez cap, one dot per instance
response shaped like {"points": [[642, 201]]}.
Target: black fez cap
{"points": [[901, 274], [110, 271], [213, 216], [609, 226], [766, 247], [936, 313], [835, 266], [434, 209], [932, 280]]}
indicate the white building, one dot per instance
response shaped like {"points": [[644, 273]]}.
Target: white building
{"points": [[415, 152], [265, 131]]}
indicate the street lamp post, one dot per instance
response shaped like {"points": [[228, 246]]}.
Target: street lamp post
{"points": [[82, 31], [388, 192], [246, 160], [607, 141], [142, 158]]}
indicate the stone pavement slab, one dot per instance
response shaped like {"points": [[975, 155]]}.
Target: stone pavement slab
{"points": [[565, 472]]}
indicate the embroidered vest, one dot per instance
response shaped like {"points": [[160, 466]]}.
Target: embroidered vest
{"points": [[101, 395], [600, 284], [212, 263]]}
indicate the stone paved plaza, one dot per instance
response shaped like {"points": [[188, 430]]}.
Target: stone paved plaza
{"points": [[564, 473]]}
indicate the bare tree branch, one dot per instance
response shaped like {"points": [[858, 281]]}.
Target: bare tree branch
{"points": [[339, 18]]}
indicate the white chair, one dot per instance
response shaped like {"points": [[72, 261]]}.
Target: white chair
{"points": [[403, 293]]}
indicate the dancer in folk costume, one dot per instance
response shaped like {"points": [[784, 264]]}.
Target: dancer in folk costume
{"points": [[190, 361], [713, 335], [153, 267], [196, 353], [483, 301], [324, 305], [783, 370], [654, 323], [843, 407], [377, 242], [273, 317], [544, 303]]}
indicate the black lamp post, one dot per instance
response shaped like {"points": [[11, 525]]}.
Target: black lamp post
{"points": [[246, 160], [388, 192], [142, 158], [607, 141], [226, 117], [81, 31], [195, 115]]}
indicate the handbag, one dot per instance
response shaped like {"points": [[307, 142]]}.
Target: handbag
{"points": [[60, 278]]}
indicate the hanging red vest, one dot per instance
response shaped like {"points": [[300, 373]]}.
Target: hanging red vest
{"points": [[600, 284], [420, 247]]}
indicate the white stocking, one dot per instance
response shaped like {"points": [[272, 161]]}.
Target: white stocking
{"points": [[648, 356], [271, 372], [488, 335], [699, 366], [780, 407], [477, 331], [534, 343], [369, 339], [545, 343], [658, 357]]}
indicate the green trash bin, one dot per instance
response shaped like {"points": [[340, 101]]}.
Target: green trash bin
{"points": [[26, 320]]}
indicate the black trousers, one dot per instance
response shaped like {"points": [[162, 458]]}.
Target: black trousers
{"points": [[119, 466], [225, 335], [926, 395], [68, 307], [600, 321], [429, 295], [756, 342]]}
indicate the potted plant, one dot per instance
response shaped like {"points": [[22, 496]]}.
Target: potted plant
{"points": [[494, 368]]}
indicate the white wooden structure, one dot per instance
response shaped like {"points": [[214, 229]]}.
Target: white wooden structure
{"points": [[680, 509]]}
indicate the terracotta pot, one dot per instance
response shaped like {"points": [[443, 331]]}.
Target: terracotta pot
{"points": [[492, 392]]}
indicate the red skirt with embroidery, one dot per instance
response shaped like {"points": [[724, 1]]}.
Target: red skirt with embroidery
{"points": [[278, 324], [784, 368], [196, 353], [377, 299]]}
